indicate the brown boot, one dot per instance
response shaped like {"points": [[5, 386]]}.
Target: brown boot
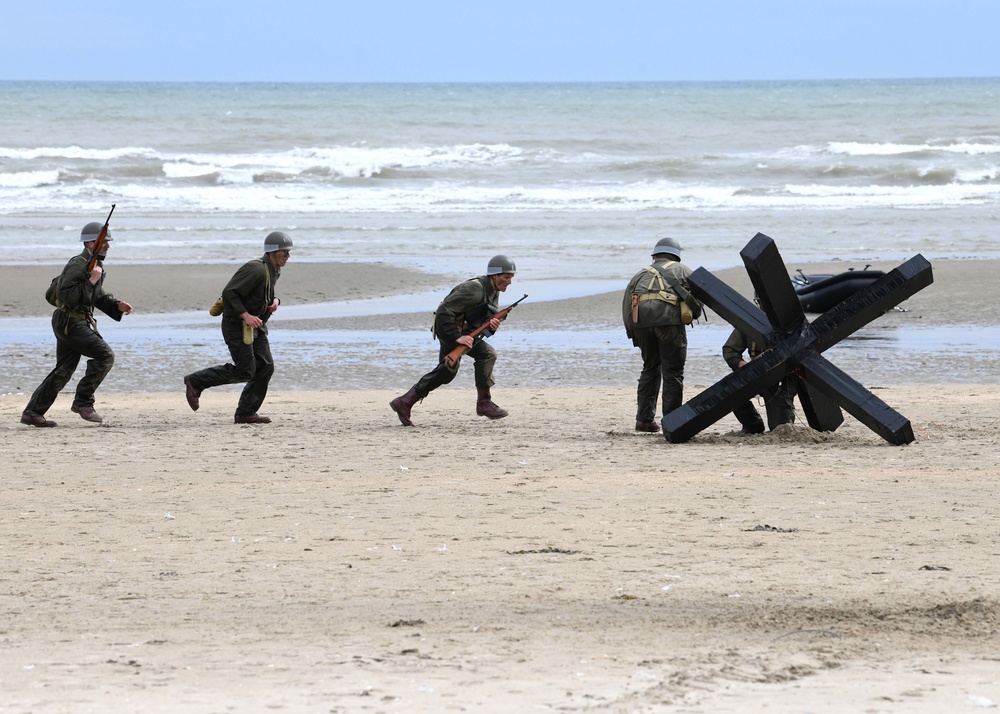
{"points": [[485, 406], [402, 405]]}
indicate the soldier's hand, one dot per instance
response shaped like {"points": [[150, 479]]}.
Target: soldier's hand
{"points": [[125, 308], [274, 305], [252, 320], [466, 341], [494, 324], [96, 274]]}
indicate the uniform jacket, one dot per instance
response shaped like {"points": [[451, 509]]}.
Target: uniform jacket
{"points": [[654, 313], [251, 289], [450, 318], [735, 346], [78, 295]]}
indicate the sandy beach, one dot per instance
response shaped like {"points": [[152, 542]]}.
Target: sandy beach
{"points": [[555, 560]]}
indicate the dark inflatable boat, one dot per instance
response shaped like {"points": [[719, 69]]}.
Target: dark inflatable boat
{"points": [[818, 293]]}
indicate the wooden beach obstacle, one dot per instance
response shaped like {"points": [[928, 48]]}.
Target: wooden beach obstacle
{"points": [[794, 345]]}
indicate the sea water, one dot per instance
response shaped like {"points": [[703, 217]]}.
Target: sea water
{"points": [[575, 182]]}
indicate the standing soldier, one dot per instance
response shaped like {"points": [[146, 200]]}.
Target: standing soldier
{"points": [[466, 307], [656, 308], [73, 323], [248, 301]]}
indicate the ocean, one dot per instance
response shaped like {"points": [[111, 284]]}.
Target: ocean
{"points": [[571, 180], [575, 182]]}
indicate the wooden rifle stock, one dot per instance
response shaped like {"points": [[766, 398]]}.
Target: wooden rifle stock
{"points": [[451, 359], [99, 243]]}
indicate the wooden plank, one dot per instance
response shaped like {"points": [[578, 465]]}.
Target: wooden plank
{"points": [[864, 406], [731, 306], [871, 302], [774, 288], [724, 396]]}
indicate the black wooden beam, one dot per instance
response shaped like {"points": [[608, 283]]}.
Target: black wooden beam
{"points": [[725, 395], [864, 406], [793, 344], [731, 306], [770, 280], [871, 302]]}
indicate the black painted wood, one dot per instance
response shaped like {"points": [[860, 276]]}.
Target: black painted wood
{"points": [[793, 344]]}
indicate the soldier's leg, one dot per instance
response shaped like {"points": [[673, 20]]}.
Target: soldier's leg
{"points": [[672, 340], [440, 375], [67, 359], [779, 403], [485, 358], [242, 369], [749, 418], [101, 358], [255, 390], [648, 391]]}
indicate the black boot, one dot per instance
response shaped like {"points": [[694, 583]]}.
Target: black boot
{"points": [[485, 406], [402, 405]]}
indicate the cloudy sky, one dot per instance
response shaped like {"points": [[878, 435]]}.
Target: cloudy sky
{"points": [[497, 40]]}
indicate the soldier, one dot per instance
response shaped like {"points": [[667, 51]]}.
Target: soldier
{"points": [[73, 323], [778, 398], [248, 302], [466, 307], [656, 307]]}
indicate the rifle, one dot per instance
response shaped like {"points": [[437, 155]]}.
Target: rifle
{"points": [[451, 359], [99, 243]]}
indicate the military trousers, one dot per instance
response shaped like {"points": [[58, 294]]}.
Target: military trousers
{"points": [[484, 358], [251, 364], [778, 404], [75, 338], [664, 353]]}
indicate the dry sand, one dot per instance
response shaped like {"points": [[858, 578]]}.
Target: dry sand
{"points": [[334, 561]]}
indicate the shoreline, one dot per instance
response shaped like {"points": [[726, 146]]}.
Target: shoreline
{"points": [[955, 297], [936, 338]]}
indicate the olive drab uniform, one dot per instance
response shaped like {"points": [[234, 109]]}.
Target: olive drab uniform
{"points": [[469, 305], [251, 289], [652, 318], [778, 398], [76, 336], [466, 307]]}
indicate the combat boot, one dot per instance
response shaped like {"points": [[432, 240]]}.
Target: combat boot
{"points": [[485, 406], [755, 426], [402, 405]]}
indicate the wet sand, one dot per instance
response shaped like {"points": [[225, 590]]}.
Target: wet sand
{"points": [[956, 297]]}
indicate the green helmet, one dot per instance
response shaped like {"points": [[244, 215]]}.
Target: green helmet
{"points": [[667, 245], [500, 264], [276, 240], [91, 231]]}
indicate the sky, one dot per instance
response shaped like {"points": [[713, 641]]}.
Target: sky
{"points": [[496, 40]]}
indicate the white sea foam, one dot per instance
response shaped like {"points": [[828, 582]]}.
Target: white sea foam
{"points": [[29, 179], [440, 176], [74, 152], [853, 148]]}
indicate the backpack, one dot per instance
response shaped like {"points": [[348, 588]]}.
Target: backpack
{"points": [[52, 292]]}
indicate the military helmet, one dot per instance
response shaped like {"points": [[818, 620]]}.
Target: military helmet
{"points": [[667, 245], [91, 231], [500, 264], [276, 240]]}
